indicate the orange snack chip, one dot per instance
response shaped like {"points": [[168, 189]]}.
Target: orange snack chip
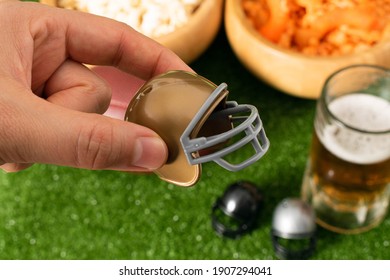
{"points": [[321, 27]]}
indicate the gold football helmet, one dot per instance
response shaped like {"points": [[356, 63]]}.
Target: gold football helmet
{"points": [[194, 118]]}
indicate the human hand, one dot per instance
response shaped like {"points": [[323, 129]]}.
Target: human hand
{"points": [[50, 103]]}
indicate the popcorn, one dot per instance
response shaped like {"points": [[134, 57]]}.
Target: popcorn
{"points": [[153, 18]]}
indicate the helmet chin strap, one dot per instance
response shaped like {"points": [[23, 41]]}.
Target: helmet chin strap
{"points": [[251, 125]]}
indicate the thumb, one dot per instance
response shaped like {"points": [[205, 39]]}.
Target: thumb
{"points": [[41, 132]]}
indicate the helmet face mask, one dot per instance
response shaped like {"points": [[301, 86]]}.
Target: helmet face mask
{"points": [[194, 118], [250, 125]]}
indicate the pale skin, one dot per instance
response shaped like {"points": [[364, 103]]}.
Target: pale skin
{"points": [[51, 104]]}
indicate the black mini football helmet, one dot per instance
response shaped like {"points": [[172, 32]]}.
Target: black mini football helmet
{"points": [[237, 210]]}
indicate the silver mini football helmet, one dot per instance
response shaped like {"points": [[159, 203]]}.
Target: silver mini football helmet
{"points": [[194, 118], [293, 229]]}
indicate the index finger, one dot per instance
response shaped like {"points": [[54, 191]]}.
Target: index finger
{"points": [[101, 41]]}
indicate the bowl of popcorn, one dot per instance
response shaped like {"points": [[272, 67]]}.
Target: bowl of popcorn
{"points": [[187, 27], [294, 45]]}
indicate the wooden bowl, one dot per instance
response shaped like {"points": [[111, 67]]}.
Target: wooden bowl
{"points": [[289, 71], [192, 39]]}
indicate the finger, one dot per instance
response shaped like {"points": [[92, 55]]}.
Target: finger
{"points": [[41, 132], [75, 86], [15, 167], [102, 41]]}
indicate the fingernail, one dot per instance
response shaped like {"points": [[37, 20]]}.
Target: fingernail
{"points": [[150, 152]]}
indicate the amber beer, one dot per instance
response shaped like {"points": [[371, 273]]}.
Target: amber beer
{"points": [[348, 174]]}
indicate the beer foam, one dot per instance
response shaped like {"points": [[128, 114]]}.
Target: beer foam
{"points": [[364, 112]]}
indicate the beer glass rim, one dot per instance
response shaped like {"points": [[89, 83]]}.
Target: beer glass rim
{"points": [[325, 101]]}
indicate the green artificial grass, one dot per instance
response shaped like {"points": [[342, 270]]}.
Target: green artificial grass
{"points": [[52, 212]]}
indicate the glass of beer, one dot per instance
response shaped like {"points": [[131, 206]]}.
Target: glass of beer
{"points": [[347, 178]]}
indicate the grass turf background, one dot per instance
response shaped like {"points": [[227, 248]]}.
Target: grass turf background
{"points": [[52, 212]]}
